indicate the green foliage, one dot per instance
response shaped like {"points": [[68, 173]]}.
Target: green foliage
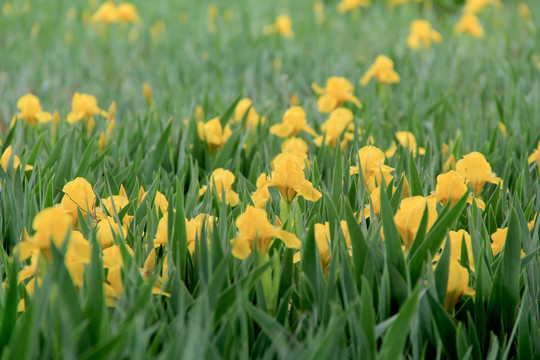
{"points": [[373, 299]]}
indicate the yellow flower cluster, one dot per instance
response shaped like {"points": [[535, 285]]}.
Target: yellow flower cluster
{"points": [[109, 13], [282, 26]]}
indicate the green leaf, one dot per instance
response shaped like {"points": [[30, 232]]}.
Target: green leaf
{"points": [[57, 151], [35, 151], [9, 307], [155, 157], [94, 306], [337, 183], [224, 119], [392, 240], [394, 340], [504, 297], [84, 163], [416, 184], [445, 326], [178, 235], [358, 242], [8, 139], [310, 260], [442, 271]]}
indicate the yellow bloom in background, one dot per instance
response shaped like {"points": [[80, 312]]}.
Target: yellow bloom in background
{"points": [[456, 239], [78, 194], [288, 176], [475, 6], [50, 225], [450, 162], [410, 213], [106, 230], [4, 160], [127, 13], [382, 70], [476, 171], [213, 133], [338, 123], [282, 26], [375, 200], [30, 110], [252, 118], [160, 201], [294, 121], [502, 128], [254, 227], [294, 100], [469, 24], [119, 201], [102, 142], [147, 93], [261, 196], [338, 90], [7, 9], [323, 240], [195, 228], [199, 113], [372, 163], [157, 29], [212, 12], [148, 268], [228, 15], [77, 255], [211, 16], [348, 5], [393, 3], [53, 225], [113, 262], [451, 186], [296, 146], [112, 111], [407, 140], [498, 238], [524, 11], [535, 156], [422, 34], [162, 231], [318, 11], [458, 284], [222, 179], [106, 13], [84, 106]]}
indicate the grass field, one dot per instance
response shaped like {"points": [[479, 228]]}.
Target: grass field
{"points": [[185, 179]]}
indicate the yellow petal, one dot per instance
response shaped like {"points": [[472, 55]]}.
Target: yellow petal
{"points": [[289, 239], [317, 89], [232, 198], [308, 191], [281, 130], [309, 130], [326, 104], [24, 249], [43, 116], [241, 248], [532, 158], [355, 101]]}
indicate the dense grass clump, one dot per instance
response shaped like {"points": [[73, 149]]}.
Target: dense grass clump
{"points": [[269, 179]]}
